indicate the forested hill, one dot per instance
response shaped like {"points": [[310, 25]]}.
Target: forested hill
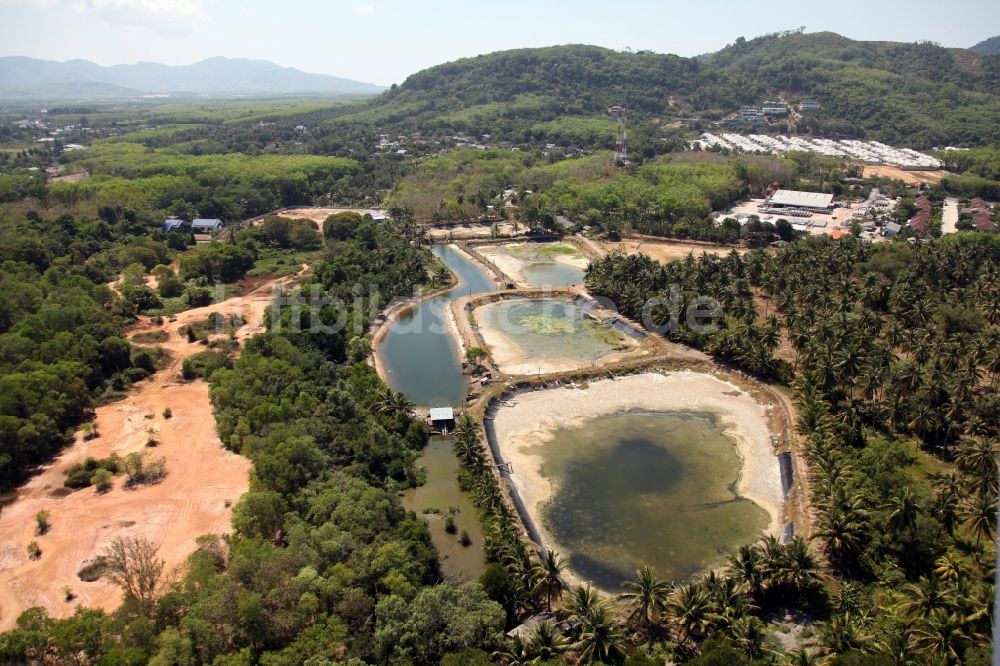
{"points": [[922, 94], [989, 46]]}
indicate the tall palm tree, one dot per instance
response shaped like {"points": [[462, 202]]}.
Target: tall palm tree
{"points": [[599, 640], [691, 609], [797, 568], [547, 574], [903, 509], [942, 636], [581, 603], [746, 568], [646, 598], [547, 643], [981, 516]]}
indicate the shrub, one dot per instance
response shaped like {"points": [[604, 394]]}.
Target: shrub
{"points": [[101, 480], [42, 522], [34, 552], [167, 413]]}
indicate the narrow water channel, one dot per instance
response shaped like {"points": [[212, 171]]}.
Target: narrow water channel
{"points": [[419, 354], [421, 359]]}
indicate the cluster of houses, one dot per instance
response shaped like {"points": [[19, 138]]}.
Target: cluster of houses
{"points": [[203, 229], [981, 213]]}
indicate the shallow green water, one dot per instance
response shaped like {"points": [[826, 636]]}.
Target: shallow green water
{"points": [[553, 328], [645, 488], [441, 492], [541, 269]]}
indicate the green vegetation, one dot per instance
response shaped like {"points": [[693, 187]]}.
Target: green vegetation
{"points": [[83, 474], [891, 345], [918, 94]]}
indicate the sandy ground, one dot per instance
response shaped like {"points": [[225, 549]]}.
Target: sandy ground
{"points": [[511, 359], [667, 251], [319, 215], [513, 266], [469, 231], [534, 416], [202, 477], [911, 177], [949, 216]]}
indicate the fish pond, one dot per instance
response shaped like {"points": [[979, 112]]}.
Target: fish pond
{"points": [[645, 488]]}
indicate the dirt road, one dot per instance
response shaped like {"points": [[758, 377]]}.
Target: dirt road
{"points": [[203, 481]]}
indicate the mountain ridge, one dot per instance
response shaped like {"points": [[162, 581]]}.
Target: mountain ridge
{"points": [[989, 46], [889, 91], [33, 77]]}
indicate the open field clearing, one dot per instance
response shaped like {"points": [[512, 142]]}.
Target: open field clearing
{"points": [[202, 481], [667, 250], [918, 177]]}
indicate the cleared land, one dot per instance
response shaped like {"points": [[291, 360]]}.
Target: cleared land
{"points": [[319, 215], [534, 416], [886, 171], [666, 251], [202, 478]]}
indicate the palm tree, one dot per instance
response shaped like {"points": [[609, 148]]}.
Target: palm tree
{"points": [[393, 403], [547, 576], [749, 634], [925, 596], [646, 598], [980, 459], [949, 567], [514, 652], [903, 509], [798, 567], [942, 636], [691, 610], [581, 602], [981, 516], [546, 643], [745, 567], [842, 634], [600, 639]]}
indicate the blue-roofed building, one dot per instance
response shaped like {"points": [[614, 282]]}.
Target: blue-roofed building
{"points": [[173, 224], [206, 226]]}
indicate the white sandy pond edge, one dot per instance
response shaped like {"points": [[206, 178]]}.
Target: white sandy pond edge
{"points": [[510, 358], [535, 416]]}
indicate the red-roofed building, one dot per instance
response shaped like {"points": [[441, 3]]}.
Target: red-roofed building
{"points": [[921, 221], [984, 220]]}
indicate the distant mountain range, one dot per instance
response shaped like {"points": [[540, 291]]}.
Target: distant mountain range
{"points": [[989, 46], [30, 78]]}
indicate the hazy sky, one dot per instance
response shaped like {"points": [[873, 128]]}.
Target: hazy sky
{"points": [[383, 41]]}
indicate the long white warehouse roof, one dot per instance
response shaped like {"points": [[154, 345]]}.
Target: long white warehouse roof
{"points": [[801, 199]]}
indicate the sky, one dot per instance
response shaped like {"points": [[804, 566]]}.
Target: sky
{"points": [[383, 41]]}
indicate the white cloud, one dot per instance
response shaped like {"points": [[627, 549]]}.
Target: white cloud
{"points": [[181, 9], [364, 9], [156, 9], [30, 3]]}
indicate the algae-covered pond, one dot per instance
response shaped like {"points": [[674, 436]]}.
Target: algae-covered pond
{"points": [[538, 264], [529, 336], [645, 488]]}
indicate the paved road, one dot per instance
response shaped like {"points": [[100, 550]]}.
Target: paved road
{"points": [[949, 219]]}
